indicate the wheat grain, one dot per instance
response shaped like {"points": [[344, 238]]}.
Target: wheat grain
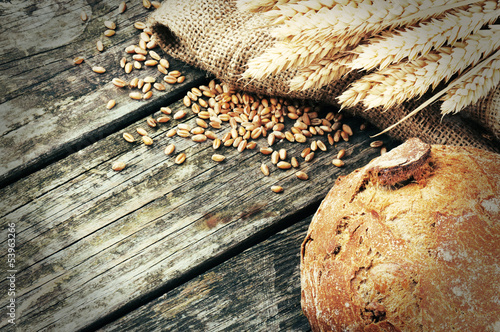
{"points": [[260, 5], [472, 89], [400, 82], [411, 42]]}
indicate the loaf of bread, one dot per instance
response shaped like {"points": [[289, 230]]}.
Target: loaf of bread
{"points": [[410, 242]]}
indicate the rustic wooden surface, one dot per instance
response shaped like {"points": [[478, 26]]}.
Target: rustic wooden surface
{"points": [[48, 106], [257, 290], [94, 245]]}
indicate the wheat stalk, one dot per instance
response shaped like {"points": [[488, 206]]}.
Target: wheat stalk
{"points": [[322, 73], [416, 41], [402, 81], [472, 89]]}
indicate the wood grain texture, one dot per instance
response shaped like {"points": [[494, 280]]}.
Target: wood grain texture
{"points": [[48, 106], [91, 240], [257, 290]]}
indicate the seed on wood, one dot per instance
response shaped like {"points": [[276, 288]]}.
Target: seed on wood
{"points": [[128, 137], [142, 131], [199, 138], [118, 166], [148, 95], [282, 154], [277, 189], [321, 145], [344, 135], [137, 65], [300, 138], [201, 123], [110, 25], [305, 152], [166, 110], [140, 83], [383, 150], [184, 126], [362, 126], [98, 69], [210, 134], [156, 4], [181, 157], [123, 62], [154, 55], [159, 87], [151, 122], [275, 157], [119, 82], [271, 138], [183, 133], [162, 69], [218, 157], [83, 16], [150, 63], [175, 73], [314, 145], [146, 4], [337, 162], [289, 136], [284, 165], [181, 79], [309, 157], [78, 60], [266, 150], [251, 145], [237, 141], [187, 101], [109, 33], [179, 115], [140, 50], [171, 133], [170, 79], [146, 87], [164, 63], [163, 119], [147, 140], [242, 145], [169, 149], [264, 169], [139, 57], [336, 126], [135, 95], [143, 45], [197, 130], [336, 136], [128, 68], [122, 8], [302, 175], [134, 82], [346, 128], [111, 104], [376, 144], [229, 142], [341, 154], [130, 49], [330, 139], [295, 162], [99, 46], [216, 144]]}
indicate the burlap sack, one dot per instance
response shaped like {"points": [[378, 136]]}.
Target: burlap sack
{"points": [[215, 36]]}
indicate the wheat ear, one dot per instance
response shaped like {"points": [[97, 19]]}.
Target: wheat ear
{"points": [[322, 73], [472, 89], [416, 41], [285, 55], [362, 18], [403, 81]]}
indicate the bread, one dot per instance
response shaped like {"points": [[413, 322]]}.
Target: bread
{"points": [[410, 242]]}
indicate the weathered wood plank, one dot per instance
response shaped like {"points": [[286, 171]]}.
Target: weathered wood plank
{"points": [[50, 107], [257, 290], [96, 240]]}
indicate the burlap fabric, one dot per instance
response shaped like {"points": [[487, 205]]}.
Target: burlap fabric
{"points": [[215, 36]]}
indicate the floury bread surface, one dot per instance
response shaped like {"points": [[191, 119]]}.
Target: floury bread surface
{"points": [[421, 255]]}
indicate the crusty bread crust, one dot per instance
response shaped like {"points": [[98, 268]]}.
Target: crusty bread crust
{"points": [[420, 256]]}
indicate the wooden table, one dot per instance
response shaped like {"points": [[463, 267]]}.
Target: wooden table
{"points": [[201, 246]]}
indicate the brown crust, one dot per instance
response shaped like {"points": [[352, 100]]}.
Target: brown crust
{"points": [[414, 258]]}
